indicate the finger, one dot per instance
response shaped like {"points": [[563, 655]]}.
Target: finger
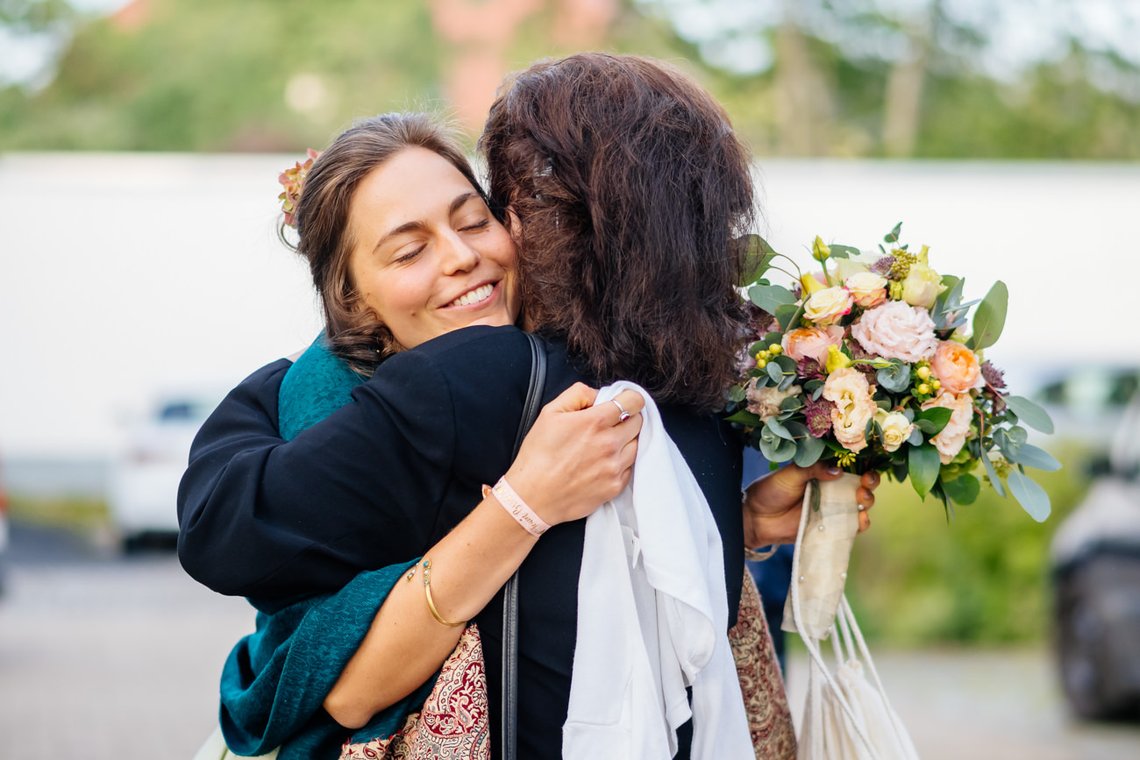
{"points": [[633, 401], [864, 521], [630, 429], [865, 498], [823, 471], [578, 396], [870, 480], [628, 454]]}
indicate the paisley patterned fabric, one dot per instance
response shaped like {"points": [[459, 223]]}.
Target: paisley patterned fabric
{"points": [[453, 722], [765, 697]]}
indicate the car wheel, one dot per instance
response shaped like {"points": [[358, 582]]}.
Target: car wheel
{"points": [[1089, 637]]}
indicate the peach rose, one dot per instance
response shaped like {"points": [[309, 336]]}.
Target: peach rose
{"points": [[811, 342], [896, 330], [956, 367], [854, 407], [953, 437], [867, 289], [827, 305]]}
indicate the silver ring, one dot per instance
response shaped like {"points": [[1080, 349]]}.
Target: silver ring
{"points": [[624, 415]]}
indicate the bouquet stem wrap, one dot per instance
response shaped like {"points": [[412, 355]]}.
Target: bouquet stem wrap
{"points": [[823, 550]]}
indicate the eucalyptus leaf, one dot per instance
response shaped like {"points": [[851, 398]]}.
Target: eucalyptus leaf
{"points": [[736, 394], [1032, 497], [963, 489], [989, 319], [895, 378], [893, 235], [915, 437], [788, 315], [778, 429], [808, 451], [771, 297], [1032, 456], [797, 429], [995, 481], [923, 464], [843, 251], [1029, 413], [775, 372], [780, 451]]}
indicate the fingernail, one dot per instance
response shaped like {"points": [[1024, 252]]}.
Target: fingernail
{"points": [[833, 470]]}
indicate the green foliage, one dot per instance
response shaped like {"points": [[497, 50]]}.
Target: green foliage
{"points": [[981, 578]]}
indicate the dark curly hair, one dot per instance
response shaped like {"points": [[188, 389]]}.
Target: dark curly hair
{"points": [[353, 331], [629, 186]]}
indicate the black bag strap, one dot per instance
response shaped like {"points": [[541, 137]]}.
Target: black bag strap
{"points": [[510, 707]]}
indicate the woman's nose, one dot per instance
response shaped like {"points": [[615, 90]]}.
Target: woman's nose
{"points": [[457, 255]]}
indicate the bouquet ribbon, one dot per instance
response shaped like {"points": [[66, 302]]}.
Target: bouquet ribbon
{"points": [[826, 536]]}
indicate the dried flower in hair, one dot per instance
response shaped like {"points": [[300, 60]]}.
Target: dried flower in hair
{"points": [[293, 180]]}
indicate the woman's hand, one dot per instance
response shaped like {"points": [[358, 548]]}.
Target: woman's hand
{"points": [[577, 456], [772, 505]]}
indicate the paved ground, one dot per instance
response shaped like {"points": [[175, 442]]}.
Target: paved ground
{"points": [[105, 657]]}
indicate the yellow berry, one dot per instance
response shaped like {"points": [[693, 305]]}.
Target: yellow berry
{"points": [[935, 384], [923, 390], [761, 363], [775, 349], [923, 373]]}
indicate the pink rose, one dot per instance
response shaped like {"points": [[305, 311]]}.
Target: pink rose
{"points": [[849, 390], [953, 437], [896, 330], [956, 367], [811, 342]]}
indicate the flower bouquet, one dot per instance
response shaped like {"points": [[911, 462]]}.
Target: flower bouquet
{"points": [[869, 363]]}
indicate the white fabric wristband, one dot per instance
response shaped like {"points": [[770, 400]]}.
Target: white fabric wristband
{"points": [[518, 509]]}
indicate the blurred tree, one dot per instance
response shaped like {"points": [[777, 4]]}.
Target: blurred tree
{"points": [[895, 78]]}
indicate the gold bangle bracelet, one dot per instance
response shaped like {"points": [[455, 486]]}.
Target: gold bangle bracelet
{"points": [[426, 564]]}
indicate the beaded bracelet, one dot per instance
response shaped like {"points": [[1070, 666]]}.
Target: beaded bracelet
{"points": [[426, 564]]}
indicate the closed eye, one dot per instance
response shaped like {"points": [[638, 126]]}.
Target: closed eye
{"points": [[480, 225]]}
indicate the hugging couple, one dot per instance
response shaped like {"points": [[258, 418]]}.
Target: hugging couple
{"points": [[370, 498]]}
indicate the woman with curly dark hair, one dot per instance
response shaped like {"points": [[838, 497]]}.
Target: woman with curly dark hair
{"points": [[624, 185]]}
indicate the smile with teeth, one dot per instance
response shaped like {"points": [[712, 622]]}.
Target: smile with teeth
{"points": [[481, 293]]}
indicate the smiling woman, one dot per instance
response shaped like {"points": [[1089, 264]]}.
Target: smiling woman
{"points": [[400, 240], [427, 254]]}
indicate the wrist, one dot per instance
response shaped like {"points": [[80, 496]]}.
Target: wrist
{"points": [[517, 507]]}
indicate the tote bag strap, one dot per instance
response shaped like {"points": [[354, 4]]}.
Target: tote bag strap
{"points": [[510, 706]]}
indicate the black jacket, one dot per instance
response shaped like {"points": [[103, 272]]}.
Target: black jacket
{"points": [[384, 478]]}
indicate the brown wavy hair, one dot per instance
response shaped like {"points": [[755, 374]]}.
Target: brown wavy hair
{"points": [[323, 239], [629, 186]]}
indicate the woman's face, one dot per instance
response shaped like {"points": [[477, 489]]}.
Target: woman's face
{"points": [[428, 257]]}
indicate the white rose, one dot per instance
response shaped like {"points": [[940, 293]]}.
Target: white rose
{"points": [[896, 429], [827, 305]]}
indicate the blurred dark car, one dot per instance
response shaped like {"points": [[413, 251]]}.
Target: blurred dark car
{"points": [[3, 532], [1096, 583]]}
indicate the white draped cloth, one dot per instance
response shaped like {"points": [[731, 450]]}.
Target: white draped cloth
{"points": [[653, 618]]}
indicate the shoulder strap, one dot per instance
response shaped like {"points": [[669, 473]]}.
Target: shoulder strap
{"points": [[511, 590]]}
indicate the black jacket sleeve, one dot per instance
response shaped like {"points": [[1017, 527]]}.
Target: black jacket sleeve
{"points": [[276, 520]]}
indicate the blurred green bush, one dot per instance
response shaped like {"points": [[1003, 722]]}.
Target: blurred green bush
{"points": [[982, 577]]}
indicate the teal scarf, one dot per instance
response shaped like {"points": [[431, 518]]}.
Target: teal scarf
{"points": [[276, 679]]}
